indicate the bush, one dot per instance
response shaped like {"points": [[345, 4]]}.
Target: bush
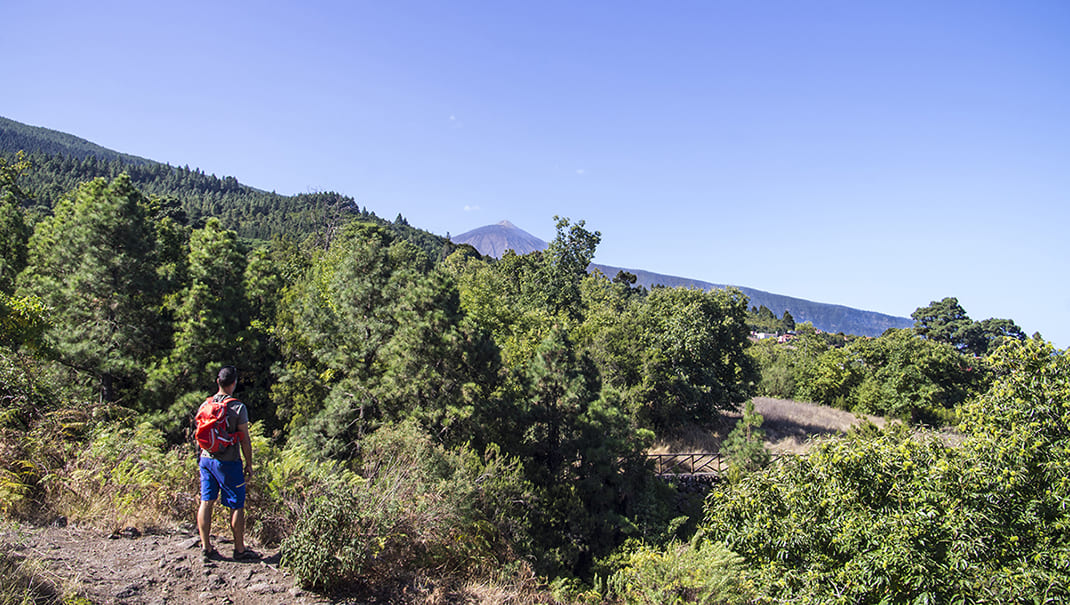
{"points": [[696, 572], [284, 483], [21, 584], [744, 448], [36, 431], [127, 475], [893, 517], [421, 511]]}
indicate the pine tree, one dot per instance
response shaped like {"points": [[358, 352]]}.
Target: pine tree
{"points": [[744, 447], [209, 313], [14, 234], [92, 263]]}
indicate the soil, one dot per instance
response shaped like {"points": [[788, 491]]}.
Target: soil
{"points": [[151, 569]]}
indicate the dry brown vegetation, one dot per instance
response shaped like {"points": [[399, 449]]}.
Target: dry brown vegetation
{"points": [[789, 427]]}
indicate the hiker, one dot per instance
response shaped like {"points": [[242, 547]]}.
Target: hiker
{"points": [[221, 470]]}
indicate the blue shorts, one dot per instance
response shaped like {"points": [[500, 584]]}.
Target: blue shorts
{"points": [[223, 476]]}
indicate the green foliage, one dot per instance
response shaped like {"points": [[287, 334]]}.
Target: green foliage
{"points": [[381, 333], [693, 364], [421, 508], [676, 356], [209, 313], [92, 264], [696, 572], [913, 379], [892, 517], [761, 319], [777, 365], [24, 404], [564, 265], [126, 474], [503, 298], [946, 321], [14, 233], [195, 197], [286, 481], [580, 449], [899, 374], [23, 321], [744, 448], [519, 299], [943, 321]]}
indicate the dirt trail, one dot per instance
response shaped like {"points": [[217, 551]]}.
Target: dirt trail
{"points": [[154, 569]]}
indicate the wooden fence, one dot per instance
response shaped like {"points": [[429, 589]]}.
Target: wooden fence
{"points": [[698, 465]]}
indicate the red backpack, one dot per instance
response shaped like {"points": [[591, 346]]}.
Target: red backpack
{"points": [[211, 431]]}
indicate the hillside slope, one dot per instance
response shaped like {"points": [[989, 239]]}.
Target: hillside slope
{"points": [[16, 136], [825, 316], [494, 240], [59, 162]]}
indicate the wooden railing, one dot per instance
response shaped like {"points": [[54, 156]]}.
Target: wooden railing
{"points": [[698, 464], [688, 465]]}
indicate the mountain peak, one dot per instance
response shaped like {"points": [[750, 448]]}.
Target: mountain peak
{"points": [[494, 240]]}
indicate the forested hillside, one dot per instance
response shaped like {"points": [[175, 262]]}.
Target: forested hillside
{"points": [[16, 136], [59, 162], [824, 316]]}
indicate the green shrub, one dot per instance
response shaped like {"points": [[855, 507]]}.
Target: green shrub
{"points": [[744, 448], [696, 572], [22, 321], [889, 516], [421, 511], [126, 475], [36, 429], [284, 483]]}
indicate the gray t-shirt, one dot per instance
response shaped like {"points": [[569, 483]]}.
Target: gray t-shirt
{"points": [[237, 415]]}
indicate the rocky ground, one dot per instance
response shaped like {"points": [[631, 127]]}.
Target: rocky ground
{"points": [[151, 569]]}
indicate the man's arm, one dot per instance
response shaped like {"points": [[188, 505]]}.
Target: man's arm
{"points": [[246, 449]]}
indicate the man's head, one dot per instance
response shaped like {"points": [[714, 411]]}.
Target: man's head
{"points": [[228, 375]]}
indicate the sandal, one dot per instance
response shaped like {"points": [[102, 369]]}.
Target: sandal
{"points": [[207, 556], [246, 555]]}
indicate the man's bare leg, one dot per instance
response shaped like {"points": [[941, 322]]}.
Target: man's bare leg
{"points": [[237, 525], [204, 524]]}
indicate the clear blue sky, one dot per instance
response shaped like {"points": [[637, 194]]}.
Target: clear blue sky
{"points": [[879, 155]]}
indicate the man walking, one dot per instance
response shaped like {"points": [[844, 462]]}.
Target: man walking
{"points": [[222, 473]]}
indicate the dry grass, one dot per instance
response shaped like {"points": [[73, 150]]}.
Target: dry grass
{"points": [[789, 427], [693, 438], [24, 580]]}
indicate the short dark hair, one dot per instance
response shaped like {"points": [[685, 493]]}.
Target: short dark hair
{"points": [[228, 375]]}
